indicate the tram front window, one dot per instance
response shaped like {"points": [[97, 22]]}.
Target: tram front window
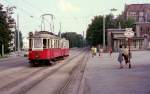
{"points": [[37, 43]]}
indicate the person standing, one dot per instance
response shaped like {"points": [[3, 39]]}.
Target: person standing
{"points": [[126, 54], [92, 51], [100, 51], [120, 56], [110, 51], [95, 51]]}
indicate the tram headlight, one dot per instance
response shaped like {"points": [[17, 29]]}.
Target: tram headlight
{"points": [[37, 55]]}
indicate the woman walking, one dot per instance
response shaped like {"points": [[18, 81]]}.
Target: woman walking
{"points": [[126, 54], [110, 51], [120, 57]]}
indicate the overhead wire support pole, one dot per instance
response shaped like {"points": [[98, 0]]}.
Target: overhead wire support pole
{"points": [[104, 32], [60, 30], [2, 50], [18, 33]]}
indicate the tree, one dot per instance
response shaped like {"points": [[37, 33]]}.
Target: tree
{"points": [[94, 32], [129, 23], [5, 31], [75, 40]]}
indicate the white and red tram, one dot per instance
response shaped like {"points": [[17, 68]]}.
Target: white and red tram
{"points": [[44, 46]]}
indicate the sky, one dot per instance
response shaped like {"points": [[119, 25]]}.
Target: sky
{"points": [[73, 15]]}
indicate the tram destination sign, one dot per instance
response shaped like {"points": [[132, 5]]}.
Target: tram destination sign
{"points": [[129, 33]]}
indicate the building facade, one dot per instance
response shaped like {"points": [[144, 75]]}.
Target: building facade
{"points": [[138, 12], [116, 37], [141, 41]]}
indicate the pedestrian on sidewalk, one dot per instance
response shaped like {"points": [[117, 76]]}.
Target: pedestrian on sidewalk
{"points": [[120, 56], [94, 51], [110, 51], [126, 55], [100, 51]]}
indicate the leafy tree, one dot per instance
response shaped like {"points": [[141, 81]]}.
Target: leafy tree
{"points": [[129, 23], [5, 31], [75, 40], [94, 32]]}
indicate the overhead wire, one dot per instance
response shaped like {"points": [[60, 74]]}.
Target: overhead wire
{"points": [[21, 9]]}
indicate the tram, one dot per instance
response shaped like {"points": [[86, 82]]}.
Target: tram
{"points": [[45, 46]]}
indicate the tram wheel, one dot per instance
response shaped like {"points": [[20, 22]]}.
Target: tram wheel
{"points": [[34, 63]]}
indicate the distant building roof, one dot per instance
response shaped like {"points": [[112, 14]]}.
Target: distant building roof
{"points": [[134, 38], [113, 30], [143, 23], [137, 7]]}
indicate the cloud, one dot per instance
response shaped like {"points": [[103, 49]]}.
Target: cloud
{"points": [[67, 6]]}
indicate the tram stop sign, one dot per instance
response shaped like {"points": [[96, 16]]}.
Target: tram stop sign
{"points": [[129, 33]]}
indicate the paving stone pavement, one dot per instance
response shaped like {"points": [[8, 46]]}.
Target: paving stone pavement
{"points": [[103, 76]]}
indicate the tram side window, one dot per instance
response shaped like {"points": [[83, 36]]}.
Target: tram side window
{"points": [[51, 43], [48, 43], [56, 43], [44, 43], [30, 43]]}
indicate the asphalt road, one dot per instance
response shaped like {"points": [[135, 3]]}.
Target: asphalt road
{"points": [[15, 73]]}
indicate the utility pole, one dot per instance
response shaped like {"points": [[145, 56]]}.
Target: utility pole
{"points": [[53, 22], [104, 45], [83, 40], [18, 33], [2, 49], [60, 30]]}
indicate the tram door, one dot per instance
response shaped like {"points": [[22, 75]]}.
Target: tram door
{"points": [[44, 43]]}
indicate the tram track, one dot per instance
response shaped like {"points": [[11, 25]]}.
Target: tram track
{"points": [[17, 86], [72, 85]]}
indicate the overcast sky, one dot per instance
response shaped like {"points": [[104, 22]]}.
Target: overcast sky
{"points": [[74, 15]]}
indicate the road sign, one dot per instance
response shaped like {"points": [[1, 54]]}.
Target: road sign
{"points": [[129, 33]]}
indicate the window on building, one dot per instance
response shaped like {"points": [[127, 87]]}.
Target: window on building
{"points": [[132, 13], [141, 29], [141, 19], [148, 29], [141, 14]]}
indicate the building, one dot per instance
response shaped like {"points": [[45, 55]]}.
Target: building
{"points": [[139, 12], [116, 37], [143, 30]]}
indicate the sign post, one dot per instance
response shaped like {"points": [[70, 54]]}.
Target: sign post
{"points": [[129, 34]]}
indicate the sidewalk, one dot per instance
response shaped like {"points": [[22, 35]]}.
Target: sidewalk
{"points": [[10, 56], [103, 76]]}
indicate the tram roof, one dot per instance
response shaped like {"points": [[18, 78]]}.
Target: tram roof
{"points": [[44, 34]]}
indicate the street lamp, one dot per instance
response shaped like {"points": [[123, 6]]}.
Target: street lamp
{"points": [[104, 42], [104, 32]]}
